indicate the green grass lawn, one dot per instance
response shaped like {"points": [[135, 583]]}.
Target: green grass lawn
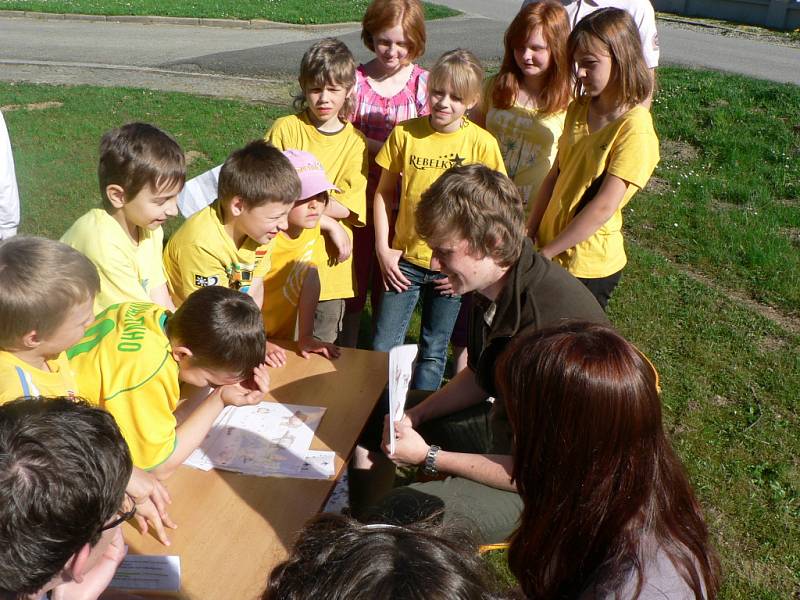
{"points": [[286, 11], [716, 233]]}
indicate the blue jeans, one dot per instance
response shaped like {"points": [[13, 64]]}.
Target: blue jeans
{"points": [[439, 314]]}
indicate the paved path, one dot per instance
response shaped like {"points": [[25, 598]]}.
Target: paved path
{"points": [[255, 64]]}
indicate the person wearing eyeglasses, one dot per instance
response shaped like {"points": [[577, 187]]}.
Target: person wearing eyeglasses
{"points": [[64, 467]]}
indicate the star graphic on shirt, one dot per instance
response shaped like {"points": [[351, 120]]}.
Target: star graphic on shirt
{"points": [[456, 161]]}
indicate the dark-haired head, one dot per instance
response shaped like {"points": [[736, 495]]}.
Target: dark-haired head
{"points": [[63, 471], [596, 472], [222, 328], [136, 155], [337, 558]]}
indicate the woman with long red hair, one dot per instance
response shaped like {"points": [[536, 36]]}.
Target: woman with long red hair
{"points": [[608, 510], [525, 103]]}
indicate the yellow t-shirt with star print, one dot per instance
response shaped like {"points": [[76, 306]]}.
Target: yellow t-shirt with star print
{"points": [[421, 154], [124, 364]]}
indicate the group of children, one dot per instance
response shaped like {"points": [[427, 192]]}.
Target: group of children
{"points": [[308, 219]]}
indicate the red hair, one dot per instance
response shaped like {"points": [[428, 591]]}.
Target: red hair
{"points": [[385, 14], [553, 20], [597, 475]]}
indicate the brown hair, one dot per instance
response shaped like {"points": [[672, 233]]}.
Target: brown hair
{"points": [[614, 31], [598, 478], [42, 280], [259, 174], [222, 327], [459, 71], [478, 204], [551, 17], [139, 154], [327, 62], [385, 14], [336, 557]]}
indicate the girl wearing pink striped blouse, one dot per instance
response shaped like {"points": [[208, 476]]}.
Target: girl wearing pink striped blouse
{"points": [[389, 89]]}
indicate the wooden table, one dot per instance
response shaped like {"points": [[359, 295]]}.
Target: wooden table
{"points": [[233, 528]]}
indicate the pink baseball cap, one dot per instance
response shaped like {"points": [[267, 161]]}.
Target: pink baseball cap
{"points": [[313, 179]]}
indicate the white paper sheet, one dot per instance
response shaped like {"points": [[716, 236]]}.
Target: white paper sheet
{"points": [[161, 573], [319, 464], [264, 439], [401, 367], [199, 192]]}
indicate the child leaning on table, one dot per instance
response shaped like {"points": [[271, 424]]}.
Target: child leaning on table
{"points": [[141, 171], [291, 288], [135, 356], [46, 303], [228, 242], [327, 77]]}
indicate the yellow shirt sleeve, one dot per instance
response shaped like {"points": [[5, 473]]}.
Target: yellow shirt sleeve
{"points": [[634, 155], [190, 267], [352, 180], [103, 242], [390, 156]]}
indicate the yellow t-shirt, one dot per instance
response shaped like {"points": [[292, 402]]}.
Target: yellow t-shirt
{"points": [[201, 253], [18, 378], [127, 271], [291, 260], [124, 364], [528, 141], [422, 154], [344, 157], [627, 148]]}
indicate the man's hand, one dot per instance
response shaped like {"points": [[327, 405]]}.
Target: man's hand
{"points": [[151, 499], [309, 344], [247, 393], [275, 355], [409, 448]]}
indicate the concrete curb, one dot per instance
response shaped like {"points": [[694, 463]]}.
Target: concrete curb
{"points": [[191, 21]]}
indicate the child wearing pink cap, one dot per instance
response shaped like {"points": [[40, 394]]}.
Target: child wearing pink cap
{"points": [[292, 286]]}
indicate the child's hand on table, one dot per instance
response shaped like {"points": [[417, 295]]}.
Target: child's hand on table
{"points": [[275, 356], [151, 499], [309, 344]]}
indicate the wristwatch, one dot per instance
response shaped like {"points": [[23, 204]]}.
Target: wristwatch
{"points": [[430, 461]]}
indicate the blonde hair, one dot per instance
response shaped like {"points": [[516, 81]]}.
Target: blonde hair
{"points": [[42, 281], [614, 31], [385, 14], [460, 72], [328, 61]]}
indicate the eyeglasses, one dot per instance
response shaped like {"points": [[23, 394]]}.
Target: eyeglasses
{"points": [[123, 516]]}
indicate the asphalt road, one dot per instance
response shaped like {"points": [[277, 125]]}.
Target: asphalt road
{"points": [[231, 61]]}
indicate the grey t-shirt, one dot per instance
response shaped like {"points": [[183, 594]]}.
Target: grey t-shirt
{"points": [[661, 582]]}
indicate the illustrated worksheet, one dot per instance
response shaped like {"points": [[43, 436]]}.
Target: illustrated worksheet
{"points": [[264, 439]]}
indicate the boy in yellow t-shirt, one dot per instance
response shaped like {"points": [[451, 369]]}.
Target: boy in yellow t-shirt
{"points": [[141, 172], [46, 299], [133, 358], [291, 288], [327, 77], [227, 243]]}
